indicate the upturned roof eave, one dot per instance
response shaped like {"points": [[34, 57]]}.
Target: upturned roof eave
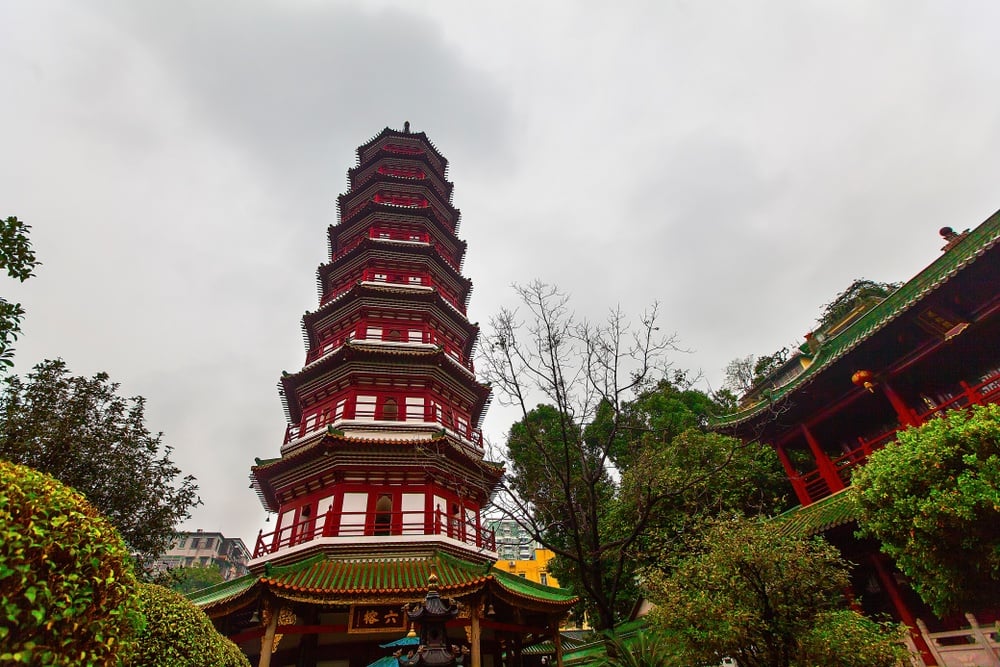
{"points": [[939, 272]]}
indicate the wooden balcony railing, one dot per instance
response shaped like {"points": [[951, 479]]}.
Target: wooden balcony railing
{"points": [[375, 524], [981, 393], [295, 431]]}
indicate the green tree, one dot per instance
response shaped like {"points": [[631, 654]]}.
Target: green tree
{"points": [[861, 294], [932, 498], [17, 257], [743, 374], [748, 592], [80, 431], [190, 579], [178, 634], [66, 582], [560, 482], [602, 464]]}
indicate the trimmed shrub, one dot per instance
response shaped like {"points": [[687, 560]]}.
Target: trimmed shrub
{"points": [[67, 589], [178, 634]]}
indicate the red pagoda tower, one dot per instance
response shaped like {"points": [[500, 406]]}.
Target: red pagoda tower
{"points": [[382, 479], [386, 408]]}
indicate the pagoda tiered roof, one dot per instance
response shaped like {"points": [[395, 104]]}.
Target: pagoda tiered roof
{"points": [[335, 448], [398, 214], [400, 134], [382, 296], [432, 178], [422, 362], [388, 250]]}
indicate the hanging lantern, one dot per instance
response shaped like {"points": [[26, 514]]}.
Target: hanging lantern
{"points": [[864, 379]]}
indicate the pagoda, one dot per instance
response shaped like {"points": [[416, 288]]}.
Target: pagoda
{"points": [[382, 479]]}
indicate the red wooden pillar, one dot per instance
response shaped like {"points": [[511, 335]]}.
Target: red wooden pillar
{"points": [[793, 476], [905, 415], [905, 615], [826, 468]]}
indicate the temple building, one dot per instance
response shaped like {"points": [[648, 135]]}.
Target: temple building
{"points": [[382, 480], [930, 346]]}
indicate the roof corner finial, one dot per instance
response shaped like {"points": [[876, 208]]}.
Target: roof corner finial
{"points": [[406, 126], [952, 237]]}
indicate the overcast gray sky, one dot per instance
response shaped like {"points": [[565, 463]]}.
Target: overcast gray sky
{"points": [[739, 162]]}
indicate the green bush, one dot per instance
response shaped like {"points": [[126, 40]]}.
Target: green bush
{"points": [[932, 499], [178, 634], [67, 590]]}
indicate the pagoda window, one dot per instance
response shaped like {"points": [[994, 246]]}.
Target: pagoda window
{"points": [[383, 515], [390, 409], [380, 277], [394, 336], [353, 515], [324, 516], [416, 336], [412, 509], [286, 531], [373, 333], [364, 407], [415, 407], [415, 280]]}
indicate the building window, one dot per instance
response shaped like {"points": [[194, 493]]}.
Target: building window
{"points": [[383, 514], [543, 579], [209, 542], [194, 542], [182, 542]]}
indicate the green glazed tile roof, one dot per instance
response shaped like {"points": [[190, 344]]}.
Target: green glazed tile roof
{"points": [[529, 589], [227, 590], [976, 243], [320, 575], [822, 515], [405, 576]]}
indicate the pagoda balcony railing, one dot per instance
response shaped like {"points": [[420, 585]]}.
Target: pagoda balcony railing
{"points": [[402, 201], [422, 283], [987, 390], [348, 526], [472, 436], [428, 340], [395, 236]]}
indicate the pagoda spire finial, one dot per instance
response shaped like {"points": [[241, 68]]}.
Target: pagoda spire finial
{"points": [[406, 126]]}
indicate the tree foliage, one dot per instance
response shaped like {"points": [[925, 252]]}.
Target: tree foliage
{"points": [[745, 373], [17, 257], [178, 634], [190, 578], [748, 592], [559, 484], [80, 431], [66, 581], [860, 292], [932, 498], [601, 464]]}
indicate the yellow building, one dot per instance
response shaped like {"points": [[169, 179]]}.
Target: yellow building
{"points": [[534, 569]]}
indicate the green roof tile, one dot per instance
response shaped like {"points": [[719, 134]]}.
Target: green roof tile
{"points": [[222, 592], [525, 588], [977, 242], [820, 516], [407, 576]]}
